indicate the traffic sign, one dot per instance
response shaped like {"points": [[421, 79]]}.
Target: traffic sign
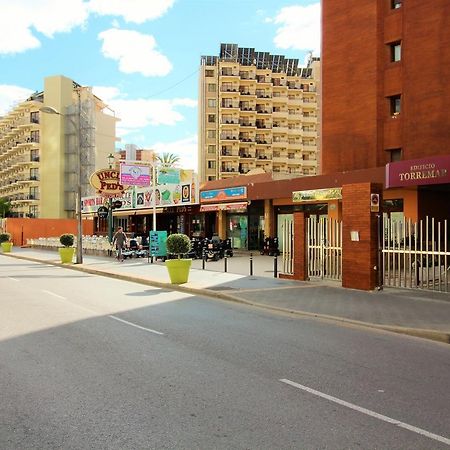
{"points": [[102, 212]]}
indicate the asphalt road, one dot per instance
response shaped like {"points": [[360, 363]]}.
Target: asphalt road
{"points": [[88, 362]]}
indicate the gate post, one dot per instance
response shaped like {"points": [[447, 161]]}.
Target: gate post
{"points": [[359, 236]]}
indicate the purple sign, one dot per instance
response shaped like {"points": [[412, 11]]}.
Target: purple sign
{"points": [[415, 172]]}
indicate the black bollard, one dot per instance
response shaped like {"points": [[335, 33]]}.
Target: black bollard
{"points": [[203, 259], [275, 266], [251, 264], [225, 263]]}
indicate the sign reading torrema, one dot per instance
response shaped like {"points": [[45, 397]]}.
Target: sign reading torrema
{"points": [[433, 170]]}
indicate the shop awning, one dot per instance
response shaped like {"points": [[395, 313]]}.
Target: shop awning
{"points": [[241, 206]]}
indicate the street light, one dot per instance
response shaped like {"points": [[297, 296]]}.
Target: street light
{"points": [[110, 158], [77, 127]]}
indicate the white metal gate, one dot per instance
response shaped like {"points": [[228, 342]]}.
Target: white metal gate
{"points": [[415, 255], [287, 248], [324, 252]]}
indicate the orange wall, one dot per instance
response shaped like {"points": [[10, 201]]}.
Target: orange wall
{"points": [[23, 229]]}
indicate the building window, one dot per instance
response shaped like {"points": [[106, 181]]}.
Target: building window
{"points": [[211, 103], [211, 178], [395, 105], [396, 51], [34, 136], [395, 154], [209, 73], [211, 149], [211, 87], [395, 4], [211, 134], [211, 118], [34, 117], [211, 164]]}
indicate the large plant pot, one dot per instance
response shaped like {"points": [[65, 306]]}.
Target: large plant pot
{"points": [[66, 254], [178, 270], [6, 247]]}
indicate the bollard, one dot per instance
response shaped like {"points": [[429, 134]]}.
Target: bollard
{"points": [[251, 264], [225, 263], [275, 266], [203, 259]]}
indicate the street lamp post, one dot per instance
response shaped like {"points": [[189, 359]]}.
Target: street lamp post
{"points": [[110, 204], [77, 127]]}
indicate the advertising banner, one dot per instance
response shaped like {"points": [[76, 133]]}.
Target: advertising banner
{"points": [[168, 175], [133, 174], [315, 195]]}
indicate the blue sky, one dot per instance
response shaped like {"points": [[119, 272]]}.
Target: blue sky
{"points": [[142, 56]]}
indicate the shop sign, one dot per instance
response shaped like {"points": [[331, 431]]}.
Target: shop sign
{"points": [[415, 172], [317, 195], [133, 174], [215, 195], [107, 183], [224, 207]]}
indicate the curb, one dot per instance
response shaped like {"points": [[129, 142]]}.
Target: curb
{"points": [[438, 336]]}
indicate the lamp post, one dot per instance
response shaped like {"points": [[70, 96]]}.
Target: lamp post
{"points": [[77, 127], [110, 202]]}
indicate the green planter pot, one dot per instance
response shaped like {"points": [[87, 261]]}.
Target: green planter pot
{"points": [[6, 247], [178, 270], [66, 254]]}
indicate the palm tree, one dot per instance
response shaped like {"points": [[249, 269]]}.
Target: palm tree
{"points": [[168, 159], [5, 207]]}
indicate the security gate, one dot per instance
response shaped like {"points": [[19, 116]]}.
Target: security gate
{"points": [[324, 252], [287, 247], [415, 255]]}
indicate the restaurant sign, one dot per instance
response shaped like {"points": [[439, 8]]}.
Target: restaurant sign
{"points": [[414, 172], [106, 182], [315, 195]]}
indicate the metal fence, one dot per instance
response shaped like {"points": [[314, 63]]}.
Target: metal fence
{"points": [[324, 241], [415, 255]]}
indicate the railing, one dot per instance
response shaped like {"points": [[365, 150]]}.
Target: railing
{"points": [[415, 255]]}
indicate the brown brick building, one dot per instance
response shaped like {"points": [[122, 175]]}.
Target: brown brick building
{"points": [[386, 68]]}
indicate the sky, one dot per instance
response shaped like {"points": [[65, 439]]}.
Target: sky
{"points": [[142, 57]]}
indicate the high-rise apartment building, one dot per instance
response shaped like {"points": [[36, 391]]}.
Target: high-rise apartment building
{"points": [[257, 111], [39, 152]]}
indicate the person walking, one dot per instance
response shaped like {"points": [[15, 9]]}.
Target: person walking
{"points": [[119, 240]]}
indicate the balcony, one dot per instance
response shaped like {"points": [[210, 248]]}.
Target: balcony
{"points": [[309, 119], [228, 137], [263, 141], [230, 105], [309, 133], [281, 114], [247, 93], [264, 111]]}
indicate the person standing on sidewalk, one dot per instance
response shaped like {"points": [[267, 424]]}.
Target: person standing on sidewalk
{"points": [[119, 240]]}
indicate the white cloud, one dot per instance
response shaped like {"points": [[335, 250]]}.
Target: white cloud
{"points": [[22, 20], [10, 95], [137, 11], [136, 114], [299, 27], [135, 52], [186, 149]]}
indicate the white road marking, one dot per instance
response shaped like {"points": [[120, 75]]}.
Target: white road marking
{"points": [[14, 279], [136, 326], [54, 295], [368, 412]]}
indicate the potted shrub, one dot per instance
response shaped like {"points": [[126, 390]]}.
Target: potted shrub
{"points": [[66, 253], [5, 241], [179, 245]]}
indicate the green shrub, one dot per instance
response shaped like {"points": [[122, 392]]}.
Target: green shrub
{"points": [[178, 244], [67, 239], [5, 237]]}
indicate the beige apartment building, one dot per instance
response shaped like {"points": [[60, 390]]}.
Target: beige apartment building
{"points": [[40, 151], [257, 111]]}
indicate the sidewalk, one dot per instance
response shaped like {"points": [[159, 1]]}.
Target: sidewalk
{"points": [[418, 313]]}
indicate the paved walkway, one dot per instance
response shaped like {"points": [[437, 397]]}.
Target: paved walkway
{"points": [[420, 313]]}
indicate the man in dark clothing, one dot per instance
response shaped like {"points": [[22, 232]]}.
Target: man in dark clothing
{"points": [[120, 240]]}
